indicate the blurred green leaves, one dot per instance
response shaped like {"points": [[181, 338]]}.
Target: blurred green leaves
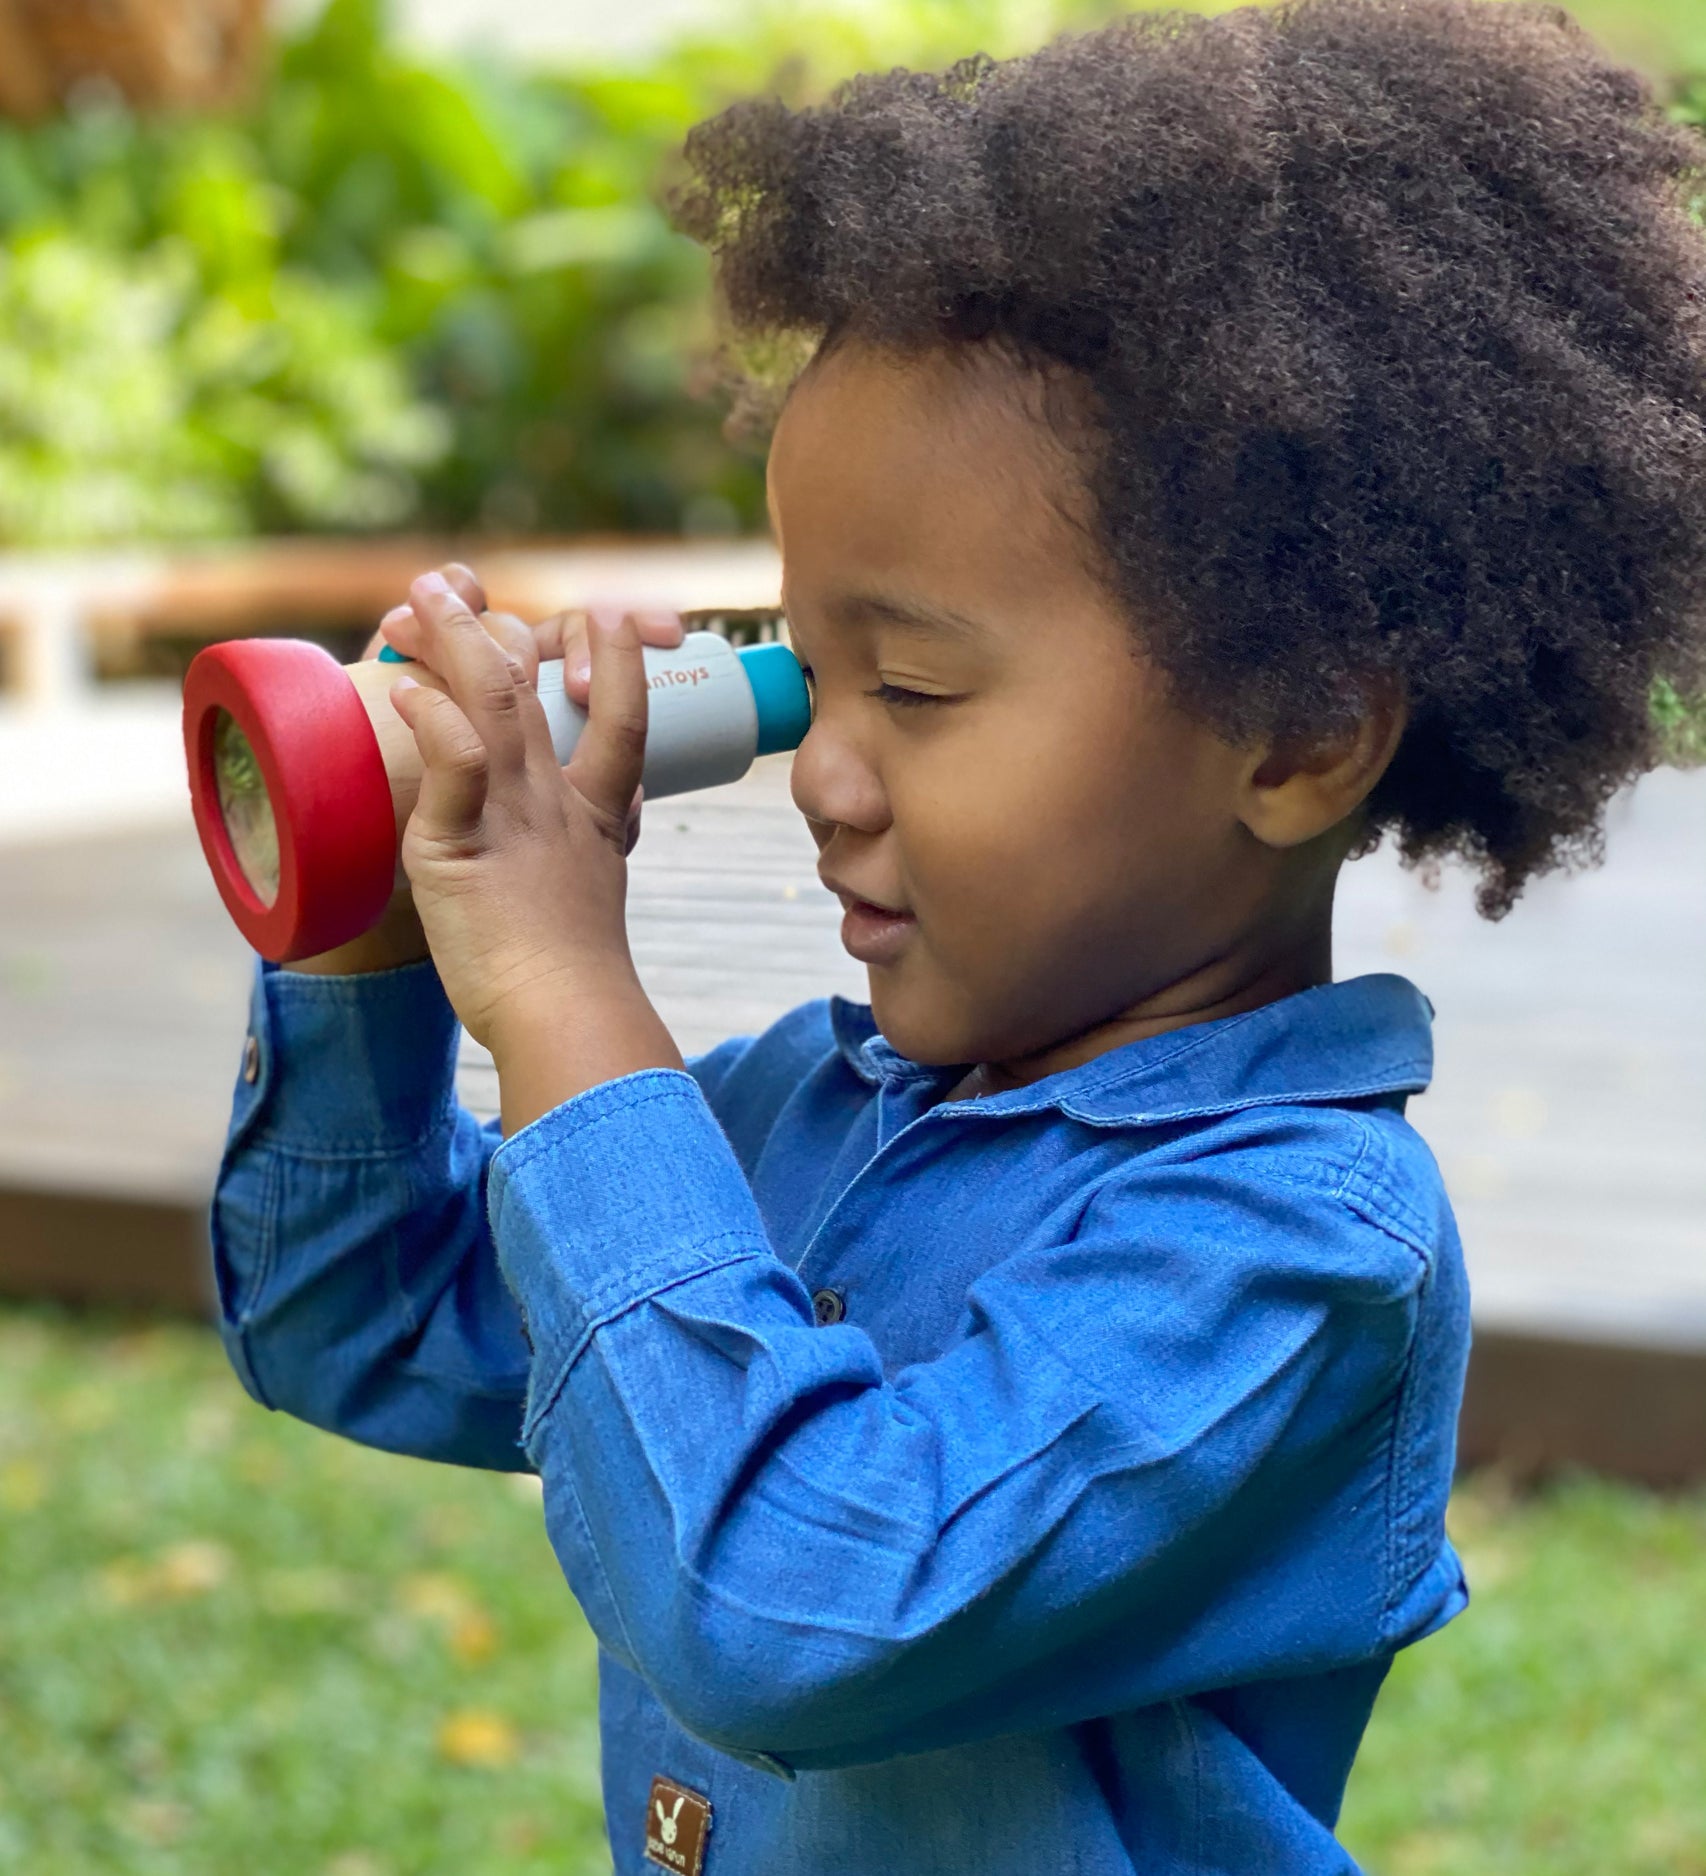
{"points": [[137, 401], [395, 291]]}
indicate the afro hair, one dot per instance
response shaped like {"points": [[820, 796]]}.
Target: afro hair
{"points": [[1392, 314]]}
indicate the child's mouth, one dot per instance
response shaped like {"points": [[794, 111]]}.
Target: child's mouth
{"points": [[872, 935]]}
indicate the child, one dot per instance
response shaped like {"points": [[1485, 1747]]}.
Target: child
{"points": [[1006, 1429]]}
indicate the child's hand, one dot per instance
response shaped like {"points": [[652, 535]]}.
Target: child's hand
{"points": [[519, 866], [563, 635], [398, 938]]}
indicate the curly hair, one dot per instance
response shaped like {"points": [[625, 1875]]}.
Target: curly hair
{"points": [[1391, 314]]}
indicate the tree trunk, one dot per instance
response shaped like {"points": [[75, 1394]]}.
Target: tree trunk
{"points": [[158, 53]]}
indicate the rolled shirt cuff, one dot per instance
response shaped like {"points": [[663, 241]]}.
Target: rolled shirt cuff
{"points": [[622, 1192], [347, 1066]]}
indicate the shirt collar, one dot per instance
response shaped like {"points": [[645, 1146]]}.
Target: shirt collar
{"points": [[1335, 1042]]}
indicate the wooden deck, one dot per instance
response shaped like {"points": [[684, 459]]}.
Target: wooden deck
{"points": [[1568, 1112]]}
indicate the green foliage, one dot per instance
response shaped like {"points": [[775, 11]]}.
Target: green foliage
{"points": [[164, 371], [133, 405], [1682, 726], [394, 292], [400, 291]]}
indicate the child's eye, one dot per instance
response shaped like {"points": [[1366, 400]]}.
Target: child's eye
{"points": [[894, 694], [884, 693]]}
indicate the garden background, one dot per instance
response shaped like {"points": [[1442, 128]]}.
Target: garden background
{"points": [[405, 273]]}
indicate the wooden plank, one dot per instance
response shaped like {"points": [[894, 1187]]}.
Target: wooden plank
{"points": [[101, 1248], [1537, 1403], [310, 584], [64, 615]]}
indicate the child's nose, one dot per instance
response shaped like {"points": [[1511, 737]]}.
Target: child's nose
{"points": [[833, 783]]}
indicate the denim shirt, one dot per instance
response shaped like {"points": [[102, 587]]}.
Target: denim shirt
{"points": [[1033, 1483]]}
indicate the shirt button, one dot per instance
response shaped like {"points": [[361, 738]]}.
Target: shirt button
{"points": [[828, 1307], [252, 1059]]}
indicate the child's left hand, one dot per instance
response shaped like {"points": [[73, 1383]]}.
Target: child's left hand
{"points": [[519, 866]]}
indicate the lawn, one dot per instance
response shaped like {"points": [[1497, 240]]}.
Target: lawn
{"points": [[229, 1643]]}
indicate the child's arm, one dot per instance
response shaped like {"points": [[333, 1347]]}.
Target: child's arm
{"points": [[1205, 1440], [356, 1284], [356, 1278]]}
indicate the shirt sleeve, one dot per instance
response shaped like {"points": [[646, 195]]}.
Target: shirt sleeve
{"points": [[1155, 1461], [357, 1282], [355, 1274]]}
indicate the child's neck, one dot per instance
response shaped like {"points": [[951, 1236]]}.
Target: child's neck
{"points": [[1222, 987]]}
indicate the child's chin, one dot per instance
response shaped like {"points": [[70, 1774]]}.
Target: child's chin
{"points": [[910, 1019]]}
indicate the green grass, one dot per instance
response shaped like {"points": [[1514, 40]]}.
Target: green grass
{"points": [[229, 1643]]}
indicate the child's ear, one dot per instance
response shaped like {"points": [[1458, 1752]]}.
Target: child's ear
{"points": [[1295, 790]]}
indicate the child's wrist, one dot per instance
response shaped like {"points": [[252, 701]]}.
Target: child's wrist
{"points": [[397, 939]]}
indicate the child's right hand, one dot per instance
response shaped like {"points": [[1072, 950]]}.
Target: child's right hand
{"points": [[398, 937]]}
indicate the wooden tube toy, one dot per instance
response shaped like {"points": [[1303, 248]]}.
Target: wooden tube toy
{"points": [[302, 775]]}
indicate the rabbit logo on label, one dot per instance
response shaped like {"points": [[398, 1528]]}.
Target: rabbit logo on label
{"points": [[677, 1823]]}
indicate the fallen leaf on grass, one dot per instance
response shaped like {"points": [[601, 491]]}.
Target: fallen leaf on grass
{"points": [[23, 1485], [477, 1737], [473, 1637], [155, 1820], [435, 1596], [191, 1568], [470, 1633]]}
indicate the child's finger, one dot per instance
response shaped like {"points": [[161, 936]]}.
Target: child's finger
{"points": [[401, 630], [480, 674], [516, 637], [463, 582], [455, 773], [660, 625], [606, 765], [560, 635], [657, 625]]}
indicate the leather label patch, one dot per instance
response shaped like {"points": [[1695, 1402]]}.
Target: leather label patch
{"points": [[677, 1823]]}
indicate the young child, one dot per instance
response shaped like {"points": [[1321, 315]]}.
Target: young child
{"points": [[1007, 1428]]}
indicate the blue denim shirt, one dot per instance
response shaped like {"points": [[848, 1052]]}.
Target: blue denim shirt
{"points": [[1035, 1483]]}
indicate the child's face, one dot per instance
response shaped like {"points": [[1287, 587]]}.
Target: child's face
{"points": [[1068, 845]]}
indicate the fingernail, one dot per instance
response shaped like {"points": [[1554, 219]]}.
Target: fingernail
{"points": [[395, 616], [434, 583], [406, 683], [581, 670]]}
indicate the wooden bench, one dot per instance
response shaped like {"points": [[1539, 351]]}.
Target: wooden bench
{"points": [[67, 620]]}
